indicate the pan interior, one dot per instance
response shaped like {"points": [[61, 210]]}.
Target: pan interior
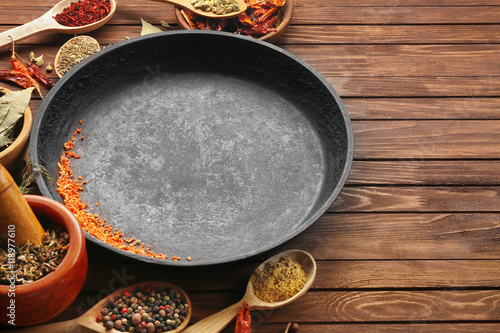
{"points": [[196, 159]]}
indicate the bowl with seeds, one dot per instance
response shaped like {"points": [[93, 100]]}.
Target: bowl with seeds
{"points": [[32, 277], [263, 20], [73, 52]]}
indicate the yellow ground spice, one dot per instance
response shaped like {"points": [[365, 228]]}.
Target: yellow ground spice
{"points": [[278, 281]]}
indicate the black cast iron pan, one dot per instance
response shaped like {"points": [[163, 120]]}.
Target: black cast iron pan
{"points": [[201, 144]]}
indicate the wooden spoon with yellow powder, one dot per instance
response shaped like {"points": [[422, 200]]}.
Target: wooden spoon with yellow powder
{"points": [[286, 270]]}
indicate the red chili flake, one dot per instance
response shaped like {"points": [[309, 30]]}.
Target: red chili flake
{"points": [[98, 318], [113, 317], [80, 121], [143, 324], [124, 310], [83, 12], [126, 294]]}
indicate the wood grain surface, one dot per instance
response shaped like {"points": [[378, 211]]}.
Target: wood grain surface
{"points": [[412, 244]]}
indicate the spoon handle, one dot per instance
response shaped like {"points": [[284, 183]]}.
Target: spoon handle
{"points": [[216, 322], [43, 23], [60, 327]]}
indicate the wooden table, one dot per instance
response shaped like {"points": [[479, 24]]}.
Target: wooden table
{"points": [[413, 242]]}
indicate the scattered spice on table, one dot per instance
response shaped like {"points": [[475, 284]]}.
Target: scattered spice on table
{"points": [[83, 12], [260, 18], [146, 310], [29, 263], [278, 281], [69, 188], [243, 320], [74, 51]]}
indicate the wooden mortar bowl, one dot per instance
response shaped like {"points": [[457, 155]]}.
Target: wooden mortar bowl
{"points": [[44, 299]]}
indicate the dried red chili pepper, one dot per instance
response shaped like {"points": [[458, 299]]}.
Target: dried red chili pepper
{"points": [[20, 78], [244, 320], [35, 71], [16, 64], [83, 12], [261, 28]]}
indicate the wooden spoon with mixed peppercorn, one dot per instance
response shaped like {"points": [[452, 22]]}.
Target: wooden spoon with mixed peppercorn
{"points": [[154, 297], [216, 322]]}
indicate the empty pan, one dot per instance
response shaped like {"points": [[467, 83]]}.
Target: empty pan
{"points": [[200, 144]]}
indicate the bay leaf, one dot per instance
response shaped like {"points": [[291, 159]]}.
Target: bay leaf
{"points": [[12, 106], [148, 28]]}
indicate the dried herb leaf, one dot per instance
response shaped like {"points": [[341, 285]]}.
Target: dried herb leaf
{"points": [[12, 106], [148, 28]]}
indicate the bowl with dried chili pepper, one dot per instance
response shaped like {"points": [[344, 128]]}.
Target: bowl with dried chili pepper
{"points": [[39, 282], [264, 20]]}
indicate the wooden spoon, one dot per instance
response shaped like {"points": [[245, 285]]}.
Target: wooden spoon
{"points": [[216, 322], [87, 322], [186, 4], [17, 220], [46, 23]]}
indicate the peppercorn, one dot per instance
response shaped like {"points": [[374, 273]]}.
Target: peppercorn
{"points": [[136, 319], [109, 324], [295, 327]]}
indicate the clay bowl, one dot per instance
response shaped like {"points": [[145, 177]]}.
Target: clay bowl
{"points": [[44, 299], [284, 18], [15, 153]]}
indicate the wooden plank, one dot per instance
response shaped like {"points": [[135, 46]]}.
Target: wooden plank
{"points": [[383, 236], [371, 306], [422, 108], [305, 14], [423, 327], [352, 306], [391, 34], [424, 172], [398, 86], [401, 60], [322, 34], [418, 199], [386, 274], [448, 139]]}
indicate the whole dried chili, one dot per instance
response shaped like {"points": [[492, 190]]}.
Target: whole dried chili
{"points": [[243, 321], [22, 79], [16, 64], [83, 12], [35, 71]]}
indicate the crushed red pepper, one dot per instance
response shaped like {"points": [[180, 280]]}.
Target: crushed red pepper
{"points": [[260, 18], [69, 188], [83, 12]]}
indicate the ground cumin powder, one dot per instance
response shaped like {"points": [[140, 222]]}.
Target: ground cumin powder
{"points": [[278, 281]]}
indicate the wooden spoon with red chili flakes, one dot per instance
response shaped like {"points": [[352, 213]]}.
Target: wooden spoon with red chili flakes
{"points": [[47, 22]]}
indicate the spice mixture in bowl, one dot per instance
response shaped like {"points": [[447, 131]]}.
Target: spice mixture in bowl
{"points": [[41, 300], [263, 20]]}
